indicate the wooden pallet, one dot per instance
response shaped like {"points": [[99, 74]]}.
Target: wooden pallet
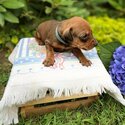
{"points": [[48, 104]]}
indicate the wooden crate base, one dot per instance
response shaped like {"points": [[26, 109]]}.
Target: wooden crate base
{"points": [[49, 104]]}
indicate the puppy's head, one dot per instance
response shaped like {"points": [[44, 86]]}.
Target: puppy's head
{"points": [[77, 32]]}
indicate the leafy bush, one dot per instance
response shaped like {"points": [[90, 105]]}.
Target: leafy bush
{"points": [[112, 8], [6, 13], [53, 9], [106, 29], [33, 10], [61, 9], [11, 38], [118, 5], [58, 9]]}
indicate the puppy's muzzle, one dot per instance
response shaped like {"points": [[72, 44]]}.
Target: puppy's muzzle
{"points": [[95, 42]]}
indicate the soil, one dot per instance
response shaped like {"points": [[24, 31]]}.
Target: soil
{"points": [[5, 67]]}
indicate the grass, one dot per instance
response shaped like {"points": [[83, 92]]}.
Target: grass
{"points": [[105, 111]]}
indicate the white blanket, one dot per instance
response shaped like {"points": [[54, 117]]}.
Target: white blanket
{"points": [[30, 80]]}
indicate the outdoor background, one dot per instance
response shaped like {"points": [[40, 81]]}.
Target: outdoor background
{"points": [[19, 18]]}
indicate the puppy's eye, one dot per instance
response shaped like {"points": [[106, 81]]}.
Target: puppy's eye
{"points": [[84, 37]]}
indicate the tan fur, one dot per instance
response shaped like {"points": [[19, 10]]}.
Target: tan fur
{"points": [[71, 30]]}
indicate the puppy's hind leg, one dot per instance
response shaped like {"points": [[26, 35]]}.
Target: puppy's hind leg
{"points": [[49, 61], [38, 38]]}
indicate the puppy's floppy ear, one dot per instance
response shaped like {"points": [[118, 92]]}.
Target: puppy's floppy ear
{"points": [[67, 34]]}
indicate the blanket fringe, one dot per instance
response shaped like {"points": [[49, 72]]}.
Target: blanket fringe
{"points": [[9, 115], [15, 96]]}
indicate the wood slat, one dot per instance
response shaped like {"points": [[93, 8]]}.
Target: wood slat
{"points": [[32, 110], [48, 99]]}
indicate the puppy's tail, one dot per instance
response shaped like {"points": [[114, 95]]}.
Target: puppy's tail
{"points": [[38, 38]]}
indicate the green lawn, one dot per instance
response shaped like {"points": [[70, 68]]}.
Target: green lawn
{"points": [[105, 111]]}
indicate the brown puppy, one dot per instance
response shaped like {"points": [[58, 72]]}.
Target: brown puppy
{"points": [[72, 34]]}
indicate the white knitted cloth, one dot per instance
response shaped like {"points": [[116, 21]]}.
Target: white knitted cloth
{"points": [[30, 80]]}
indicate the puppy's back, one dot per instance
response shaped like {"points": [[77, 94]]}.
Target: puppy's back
{"points": [[46, 28]]}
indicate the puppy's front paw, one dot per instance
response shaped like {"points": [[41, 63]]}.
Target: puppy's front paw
{"points": [[86, 62], [48, 62]]}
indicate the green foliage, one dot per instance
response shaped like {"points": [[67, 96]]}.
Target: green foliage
{"points": [[106, 52], [61, 9], [113, 8], [53, 9], [58, 9], [118, 4], [33, 10], [11, 38], [107, 29], [6, 13]]}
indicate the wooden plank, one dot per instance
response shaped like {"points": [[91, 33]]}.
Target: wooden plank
{"points": [[29, 110], [24, 109], [48, 99]]}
